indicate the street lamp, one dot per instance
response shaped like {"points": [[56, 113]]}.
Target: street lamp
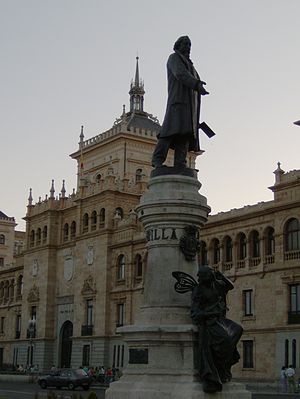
{"points": [[31, 331]]}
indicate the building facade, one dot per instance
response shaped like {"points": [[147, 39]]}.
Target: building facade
{"points": [[258, 248], [81, 273], [12, 243], [85, 256]]}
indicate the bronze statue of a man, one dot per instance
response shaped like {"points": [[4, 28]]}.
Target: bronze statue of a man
{"points": [[180, 127]]}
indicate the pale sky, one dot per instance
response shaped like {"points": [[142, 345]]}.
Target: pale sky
{"points": [[67, 63]]}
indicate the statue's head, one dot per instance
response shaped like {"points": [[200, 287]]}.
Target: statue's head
{"points": [[183, 45], [205, 275]]}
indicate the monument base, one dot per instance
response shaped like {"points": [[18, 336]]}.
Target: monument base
{"points": [[169, 387], [161, 366], [163, 344]]}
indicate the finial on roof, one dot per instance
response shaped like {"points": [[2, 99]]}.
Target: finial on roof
{"points": [[52, 190], [278, 173], [63, 190], [81, 135], [137, 73], [30, 197], [124, 109]]}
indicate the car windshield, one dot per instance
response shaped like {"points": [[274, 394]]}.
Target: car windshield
{"points": [[80, 372]]}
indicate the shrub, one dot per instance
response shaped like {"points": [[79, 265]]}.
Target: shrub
{"points": [[92, 395], [51, 395]]}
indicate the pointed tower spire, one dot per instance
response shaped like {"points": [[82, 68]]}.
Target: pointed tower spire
{"points": [[81, 137], [52, 190], [30, 199], [137, 91], [63, 190], [137, 73]]}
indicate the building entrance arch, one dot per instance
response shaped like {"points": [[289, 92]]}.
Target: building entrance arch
{"points": [[66, 333]]}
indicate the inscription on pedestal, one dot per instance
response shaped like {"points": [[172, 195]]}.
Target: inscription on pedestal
{"points": [[138, 356], [163, 233]]}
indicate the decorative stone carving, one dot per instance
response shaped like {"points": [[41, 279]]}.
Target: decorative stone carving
{"points": [[90, 255], [33, 295], [189, 243], [88, 287], [68, 268], [35, 267]]}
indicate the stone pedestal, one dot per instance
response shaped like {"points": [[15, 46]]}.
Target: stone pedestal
{"points": [[162, 340]]}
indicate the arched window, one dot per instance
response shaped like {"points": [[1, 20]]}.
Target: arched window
{"points": [[38, 236], [1, 292], [203, 253], [292, 235], [66, 232], [138, 266], [228, 249], [242, 246], [121, 267], [294, 353], [45, 234], [119, 212], [254, 244], [12, 289], [19, 286], [73, 229], [102, 217], [6, 290], [2, 239], [85, 222], [138, 175], [98, 178], [94, 220], [269, 241], [286, 353], [31, 238], [216, 251]]}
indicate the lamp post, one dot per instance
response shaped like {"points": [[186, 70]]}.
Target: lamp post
{"points": [[31, 331]]}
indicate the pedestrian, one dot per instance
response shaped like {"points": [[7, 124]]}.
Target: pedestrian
{"points": [[290, 373], [101, 377], [283, 380], [109, 376]]}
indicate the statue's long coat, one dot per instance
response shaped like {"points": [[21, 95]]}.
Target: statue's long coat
{"points": [[183, 106]]}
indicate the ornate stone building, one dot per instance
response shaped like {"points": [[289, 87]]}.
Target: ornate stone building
{"points": [[11, 283], [85, 257], [258, 247], [84, 262]]}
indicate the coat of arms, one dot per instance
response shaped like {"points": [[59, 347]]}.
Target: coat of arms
{"points": [[189, 243]]}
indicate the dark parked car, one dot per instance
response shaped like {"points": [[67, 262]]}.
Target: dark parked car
{"points": [[65, 378]]}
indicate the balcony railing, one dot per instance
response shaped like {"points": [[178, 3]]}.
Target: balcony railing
{"points": [[240, 264], [31, 334], [294, 317], [227, 266], [253, 262], [86, 330], [269, 259], [291, 255]]}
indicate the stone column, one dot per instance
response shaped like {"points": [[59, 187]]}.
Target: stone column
{"points": [[162, 340]]}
